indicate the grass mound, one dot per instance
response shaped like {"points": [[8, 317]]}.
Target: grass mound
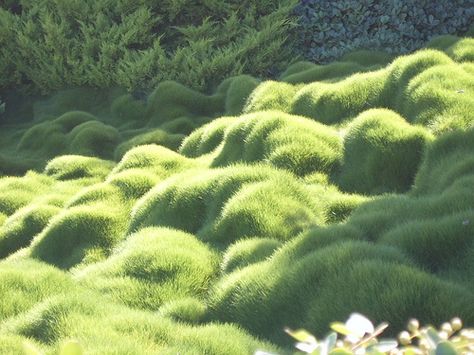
{"points": [[299, 290], [154, 159], [425, 241], [104, 327], [448, 162], [154, 266], [436, 97], [288, 142], [189, 310], [74, 132], [70, 167], [158, 137], [248, 251], [223, 205], [337, 95], [20, 228], [381, 152], [94, 220], [199, 222], [17, 192], [24, 283], [171, 100]]}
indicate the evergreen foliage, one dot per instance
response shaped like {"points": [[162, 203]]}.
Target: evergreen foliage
{"points": [[50, 45]]}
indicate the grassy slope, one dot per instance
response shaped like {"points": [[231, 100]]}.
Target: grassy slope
{"points": [[205, 224]]}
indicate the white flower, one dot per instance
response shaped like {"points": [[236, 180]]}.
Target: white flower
{"points": [[358, 326]]}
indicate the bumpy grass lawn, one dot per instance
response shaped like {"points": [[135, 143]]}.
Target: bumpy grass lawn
{"points": [[203, 224]]}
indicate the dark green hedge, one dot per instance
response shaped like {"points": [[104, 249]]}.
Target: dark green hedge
{"points": [[51, 44]]}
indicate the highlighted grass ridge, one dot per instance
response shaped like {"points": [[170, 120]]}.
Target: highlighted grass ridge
{"points": [[185, 222]]}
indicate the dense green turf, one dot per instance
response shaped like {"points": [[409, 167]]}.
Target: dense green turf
{"points": [[154, 266], [289, 142], [382, 152], [189, 222]]}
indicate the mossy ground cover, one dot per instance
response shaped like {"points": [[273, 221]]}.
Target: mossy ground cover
{"points": [[190, 222]]}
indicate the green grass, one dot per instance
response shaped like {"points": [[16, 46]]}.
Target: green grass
{"points": [[382, 152], [104, 327], [288, 142], [74, 132], [154, 266], [20, 228], [71, 167], [191, 222], [224, 205], [248, 251], [27, 282]]}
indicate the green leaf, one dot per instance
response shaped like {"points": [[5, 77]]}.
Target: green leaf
{"points": [[71, 347], [308, 348], [373, 351], [385, 346], [30, 349], [329, 343], [445, 348], [411, 350], [340, 351], [301, 335], [460, 343], [432, 336], [341, 328]]}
